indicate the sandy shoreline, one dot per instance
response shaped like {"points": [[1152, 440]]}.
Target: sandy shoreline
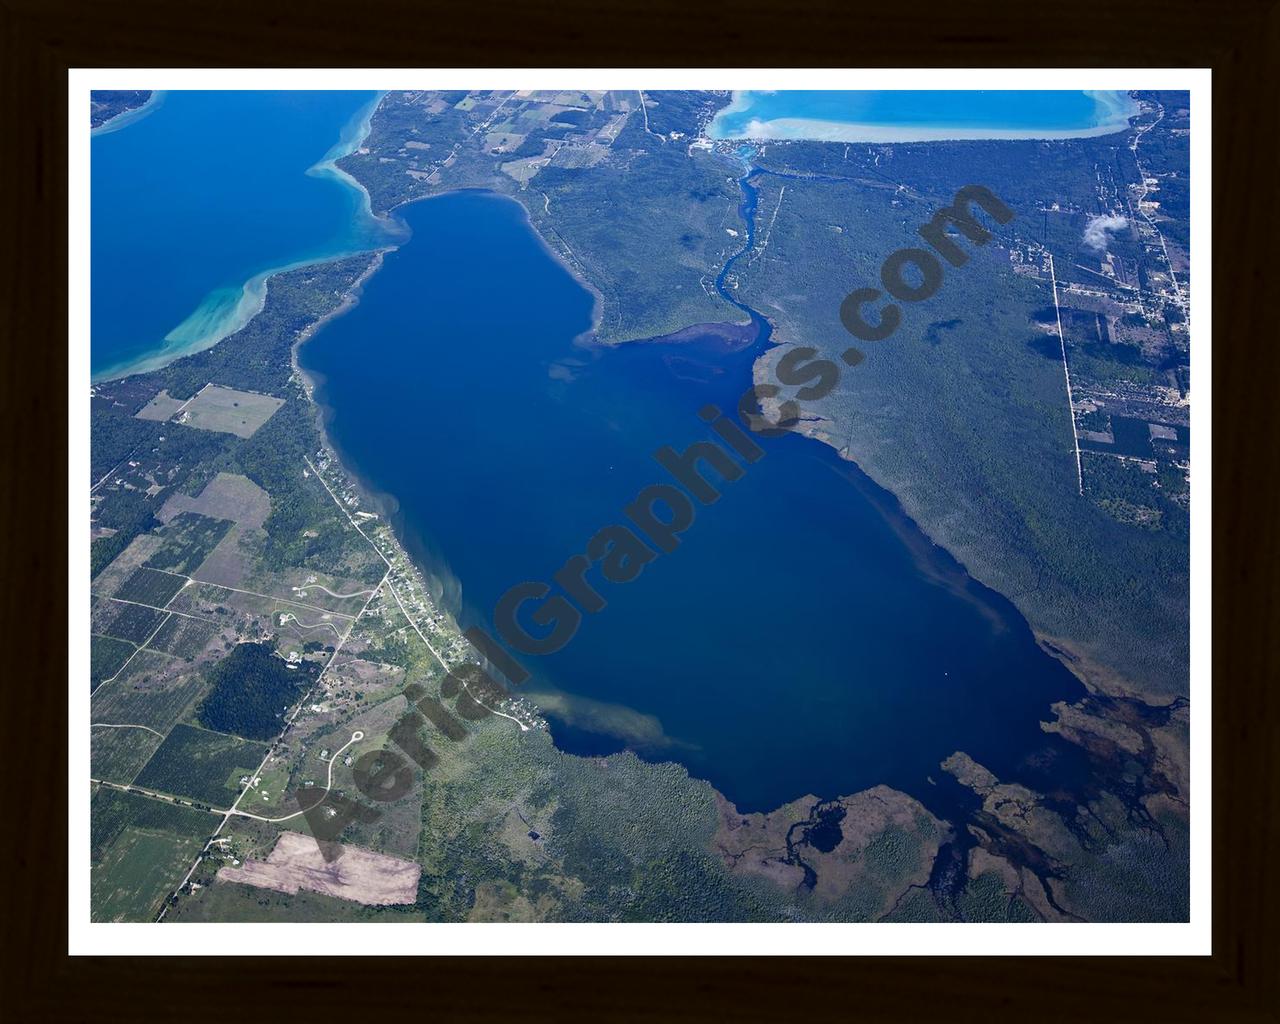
{"points": [[799, 129], [803, 129], [130, 116], [192, 336]]}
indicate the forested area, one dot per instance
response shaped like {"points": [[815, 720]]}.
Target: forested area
{"points": [[252, 689]]}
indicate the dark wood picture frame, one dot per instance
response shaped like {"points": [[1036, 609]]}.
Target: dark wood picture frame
{"points": [[1238, 39]]}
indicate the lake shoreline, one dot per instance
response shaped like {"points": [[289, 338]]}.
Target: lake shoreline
{"points": [[734, 338], [1113, 114], [130, 116], [253, 292], [389, 505], [943, 803], [789, 129]]}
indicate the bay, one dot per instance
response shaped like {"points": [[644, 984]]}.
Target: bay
{"points": [[805, 637], [194, 204]]}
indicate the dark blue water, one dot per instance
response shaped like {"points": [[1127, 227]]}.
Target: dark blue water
{"points": [[805, 637], [203, 195]]}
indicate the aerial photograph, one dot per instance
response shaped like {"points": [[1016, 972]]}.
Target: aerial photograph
{"points": [[638, 506]]}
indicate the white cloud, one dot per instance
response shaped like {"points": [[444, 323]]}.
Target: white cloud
{"points": [[1098, 232]]}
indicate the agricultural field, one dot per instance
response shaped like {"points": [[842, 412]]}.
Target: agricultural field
{"points": [[106, 657], [130, 622], [205, 766], [112, 575], [117, 755], [361, 875], [229, 411], [140, 849], [154, 690], [246, 840], [187, 540], [228, 563], [184, 636], [227, 496], [148, 586], [160, 408]]}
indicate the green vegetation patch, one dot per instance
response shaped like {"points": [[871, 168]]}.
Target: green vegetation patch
{"points": [[137, 874], [1131, 494], [305, 528], [986, 899], [184, 636], [106, 656], [153, 691], [112, 811], [147, 586], [441, 719], [188, 539], [159, 408], [140, 850], [199, 764], [116, 755], [915, 906], [252, 690], [132, 622], [230, 901]]}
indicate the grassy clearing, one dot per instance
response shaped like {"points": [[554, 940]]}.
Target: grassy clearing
{"points": [[140, 849], [159, 408], [226, 496], [187, 541], [118, 754], [154, 691], [230, 411]]}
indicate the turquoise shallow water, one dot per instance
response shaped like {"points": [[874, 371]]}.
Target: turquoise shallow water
{"points": [[202, 196], [869, 116]]}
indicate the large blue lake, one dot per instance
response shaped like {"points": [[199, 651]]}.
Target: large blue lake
{"points": [[804, 638], [192, 204]]}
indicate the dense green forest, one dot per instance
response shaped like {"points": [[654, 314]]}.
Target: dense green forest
{"points": [[252, 689]]}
